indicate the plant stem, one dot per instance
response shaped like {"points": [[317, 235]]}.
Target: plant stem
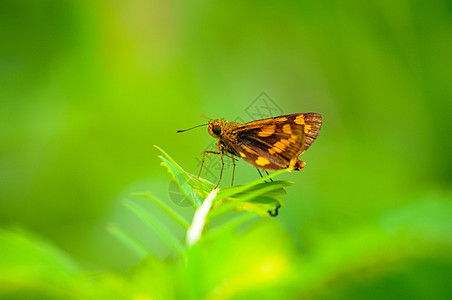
{"points": [[194, 232]]}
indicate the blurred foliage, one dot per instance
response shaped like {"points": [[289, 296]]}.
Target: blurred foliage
{"points": [[88, 87], [228, 265]]}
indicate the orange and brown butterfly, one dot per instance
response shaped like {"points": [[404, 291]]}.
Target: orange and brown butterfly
{"points": [[268, 144]]}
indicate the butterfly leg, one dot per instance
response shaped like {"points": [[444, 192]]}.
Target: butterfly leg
{"points": [[222, 167], [259, 172], [203, 159], [233, 170], [268, 174]]}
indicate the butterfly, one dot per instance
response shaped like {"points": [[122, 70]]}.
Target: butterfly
{"points": [[268, 144]]}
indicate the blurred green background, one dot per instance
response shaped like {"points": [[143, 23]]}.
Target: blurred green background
{"points": [[88, 87]]}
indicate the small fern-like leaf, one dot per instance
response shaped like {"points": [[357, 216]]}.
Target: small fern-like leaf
{"points": [[257, 196], [166, 235], [128, 240], [169, 211]]}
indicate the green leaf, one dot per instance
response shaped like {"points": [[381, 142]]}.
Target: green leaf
{"points": [[192, 187], [230, 191], [248, 199], [263, 203], [172, 213], [182, 181], [260, 205], [256, 196]]}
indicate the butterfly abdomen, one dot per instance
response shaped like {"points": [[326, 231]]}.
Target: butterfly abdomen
{"points": [[299, 165]]}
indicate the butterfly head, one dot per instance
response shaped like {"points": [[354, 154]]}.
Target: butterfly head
{"points": [[215, 127]]}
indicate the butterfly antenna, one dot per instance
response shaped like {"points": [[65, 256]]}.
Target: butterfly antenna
{"points": [[179, 131]]}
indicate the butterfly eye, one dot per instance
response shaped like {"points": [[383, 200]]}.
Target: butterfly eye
{"points": [[216, 129]]}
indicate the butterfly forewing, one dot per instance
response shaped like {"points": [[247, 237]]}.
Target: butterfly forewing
{"points": [[313, 123], [272, 143]]}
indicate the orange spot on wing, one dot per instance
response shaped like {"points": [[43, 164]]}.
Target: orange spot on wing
{"points": [[286, 129], [307, 128], [242, 154], [248, 149], [267, 131], [293, 138], [285, 142], [300, 120], [278, 147], [262, 161]]}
